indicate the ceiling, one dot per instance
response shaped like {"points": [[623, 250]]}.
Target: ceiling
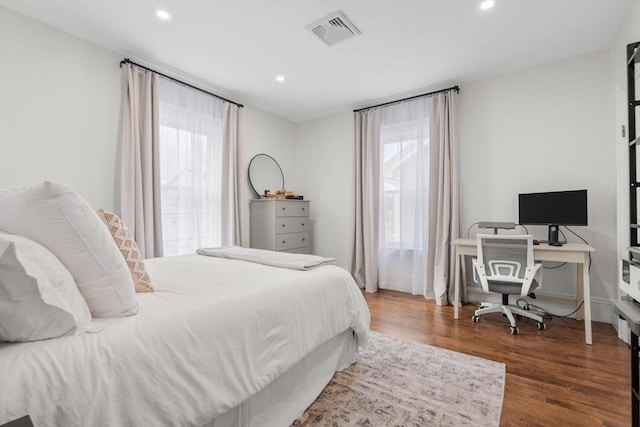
{"points": [[237, 47]]}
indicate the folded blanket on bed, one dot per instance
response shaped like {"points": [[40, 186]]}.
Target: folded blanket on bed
{"points": [[272, 258]]}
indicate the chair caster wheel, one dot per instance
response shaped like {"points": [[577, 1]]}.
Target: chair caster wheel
{"points": [[541, 326], [475, 319], [513, 330]]}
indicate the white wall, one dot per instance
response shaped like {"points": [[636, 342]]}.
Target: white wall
{"points": [[542, 129], [60, 109], [546, 128], [324, 153], [261, 132]]}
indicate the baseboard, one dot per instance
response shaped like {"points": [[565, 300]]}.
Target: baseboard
{"points": [[601, 309]]}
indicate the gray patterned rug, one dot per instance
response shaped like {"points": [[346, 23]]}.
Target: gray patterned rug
{"points": [[397, 383]]}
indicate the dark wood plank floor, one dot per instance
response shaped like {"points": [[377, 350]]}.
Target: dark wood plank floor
{"points": [[553, 377]]}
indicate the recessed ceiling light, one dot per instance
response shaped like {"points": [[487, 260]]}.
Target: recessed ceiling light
{"points": [[280, 78], [163, 14], [487, 4]]}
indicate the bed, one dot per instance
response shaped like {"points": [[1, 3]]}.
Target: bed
{"points": [[218, 343]]}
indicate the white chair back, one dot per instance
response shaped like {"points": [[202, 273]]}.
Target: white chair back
{"points": [[505, 258]]}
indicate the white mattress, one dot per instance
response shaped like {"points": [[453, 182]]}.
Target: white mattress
{"points": [[213, 334]]}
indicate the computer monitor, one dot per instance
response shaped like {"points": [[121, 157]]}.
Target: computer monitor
{"points": [[553, 208]]}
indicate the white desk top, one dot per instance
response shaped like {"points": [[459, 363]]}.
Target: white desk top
{"points": [[570, 246]]}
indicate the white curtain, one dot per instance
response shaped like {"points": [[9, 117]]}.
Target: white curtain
{"points": [[196, 168], [404, 195], [407, 192], [139, 174]]}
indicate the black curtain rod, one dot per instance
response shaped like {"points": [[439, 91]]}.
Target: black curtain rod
{"points": [[128, 61], [456, 88]]}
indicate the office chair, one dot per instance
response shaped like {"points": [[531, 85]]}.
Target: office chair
{"points": [[504, 264]]}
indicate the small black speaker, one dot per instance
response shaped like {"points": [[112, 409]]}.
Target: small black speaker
{"points": [[553, 236]]}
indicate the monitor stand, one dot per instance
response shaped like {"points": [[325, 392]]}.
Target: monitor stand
{"points": [[553, 235]]}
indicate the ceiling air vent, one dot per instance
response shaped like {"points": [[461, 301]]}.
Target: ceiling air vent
{"points": [[333, 28]]}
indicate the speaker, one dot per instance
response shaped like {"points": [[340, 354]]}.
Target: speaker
{"points": [[553, 235]]}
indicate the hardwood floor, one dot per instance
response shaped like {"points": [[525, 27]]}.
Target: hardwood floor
{"points": [[553, 377]]}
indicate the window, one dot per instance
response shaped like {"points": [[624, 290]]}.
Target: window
{"points": [[404, 188], [402, 155], [190, 143]]}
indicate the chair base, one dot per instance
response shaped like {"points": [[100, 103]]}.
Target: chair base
{"points": [[509, 311]]}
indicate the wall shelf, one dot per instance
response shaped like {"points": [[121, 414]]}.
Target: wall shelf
{"points": [[630, 310], [633, 58]]}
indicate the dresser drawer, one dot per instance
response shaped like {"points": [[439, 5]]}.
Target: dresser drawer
{"points": [[291, 241], [281, 225], [285, 208], [292, 225]]}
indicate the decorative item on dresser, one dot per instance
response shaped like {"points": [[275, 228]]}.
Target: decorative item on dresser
{"points": [[281, 225]]}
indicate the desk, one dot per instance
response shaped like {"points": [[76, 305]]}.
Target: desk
{"points": [[577, 253]]}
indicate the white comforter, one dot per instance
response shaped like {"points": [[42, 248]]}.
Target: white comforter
{"points": [[214, 333]]}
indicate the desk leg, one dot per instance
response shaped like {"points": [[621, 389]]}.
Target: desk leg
{"points": [[456, 280], [587, 299], [580, 291], [463, 278]]}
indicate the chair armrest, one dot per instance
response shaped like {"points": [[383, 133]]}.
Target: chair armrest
{"points": [[530, 273], [482, 274]]}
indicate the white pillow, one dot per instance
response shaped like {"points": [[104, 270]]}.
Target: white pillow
{"points": [[58, 218], [38, 297]]}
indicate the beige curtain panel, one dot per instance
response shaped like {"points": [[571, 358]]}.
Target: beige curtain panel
{"points": [[139, 180], [231, 234], [364, 253], [444, 195]]}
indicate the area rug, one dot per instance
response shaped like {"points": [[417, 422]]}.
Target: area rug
{"points": [[397, 383]]}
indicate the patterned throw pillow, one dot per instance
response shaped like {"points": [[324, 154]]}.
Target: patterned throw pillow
{"points": [[129, 249]]}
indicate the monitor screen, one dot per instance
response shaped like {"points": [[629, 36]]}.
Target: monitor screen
{"points": [[557, 207]]}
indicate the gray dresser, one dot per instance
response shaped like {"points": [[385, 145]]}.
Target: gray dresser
{"points": [[281, 225]]}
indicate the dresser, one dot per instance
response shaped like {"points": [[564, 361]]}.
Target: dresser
{"points": [[280, 225]]}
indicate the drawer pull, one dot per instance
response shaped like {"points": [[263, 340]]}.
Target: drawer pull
{"points": [[283, 208], [302, 208], [283, 242], [303, 224], [303, 239], [283, 225]]}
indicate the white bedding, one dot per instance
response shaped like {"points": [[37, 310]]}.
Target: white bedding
{"points": [[214, 333]]}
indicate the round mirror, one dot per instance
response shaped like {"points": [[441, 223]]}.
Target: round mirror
{"points": [[265, 174]]}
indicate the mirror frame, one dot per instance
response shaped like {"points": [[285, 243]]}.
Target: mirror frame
{"points": [[253, 187]]}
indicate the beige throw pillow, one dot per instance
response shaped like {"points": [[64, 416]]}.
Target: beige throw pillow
{"points": [[129, 249]]}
